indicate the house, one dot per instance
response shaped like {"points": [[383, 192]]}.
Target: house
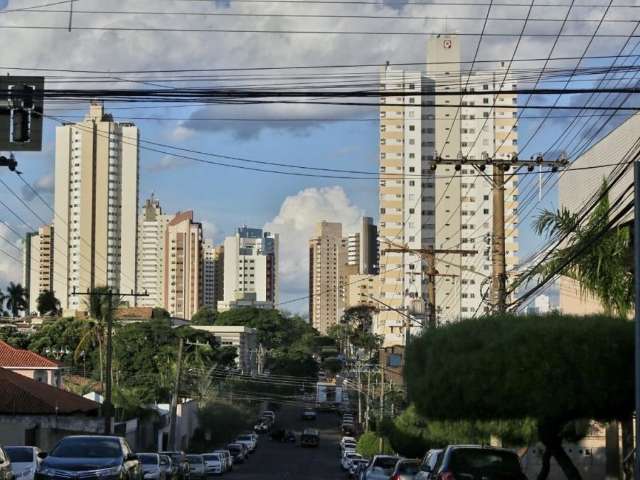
{"points": [[35, 413], [31, 365]]}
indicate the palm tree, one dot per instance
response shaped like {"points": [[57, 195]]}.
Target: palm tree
{"points": [[16, 298], [94, 327], [48, 304], [597, 260]]}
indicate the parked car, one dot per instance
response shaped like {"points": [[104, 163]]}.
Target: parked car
{"points": [[237, 451], [166, 465], [105, 457], [380, 467], [246, 440], [309, 414], [151, 469], [345, 461], [255, 438], [344, 440], [196, 466], [348, 428], [213, 464], [348, 447], [430, 462], [6, 473], [269, 414], [227, 458], [310, 438], [405, 469], [476, 462], [357, 465], [24, 461], [261, 427], [179, 459]]}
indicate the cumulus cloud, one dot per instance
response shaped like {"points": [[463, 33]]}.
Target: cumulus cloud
{"points": [[211, 231], [43, 186], [296, 224], [11, 261]]}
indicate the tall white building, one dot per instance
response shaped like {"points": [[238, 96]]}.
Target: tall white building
{"points": [[250, 269], [152, 227], [96, 204], [441, 207], [38, 264]]}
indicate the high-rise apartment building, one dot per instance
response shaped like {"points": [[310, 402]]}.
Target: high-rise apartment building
{"points": [[327, 259], [96, 204], [424, 206], [38, 264], [250, 269], [209, 262], [362, 247], [219, 273], [182, 266], [152, 227]]}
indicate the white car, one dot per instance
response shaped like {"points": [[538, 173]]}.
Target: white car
{"points": [[344, 440], [270, 414], [151, 469], [24, 461], [213, 464], [248, 441], [345, 462], [227, 458]]}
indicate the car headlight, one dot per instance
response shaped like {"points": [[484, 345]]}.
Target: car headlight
{"points": [[108, 472], [47, 471]]}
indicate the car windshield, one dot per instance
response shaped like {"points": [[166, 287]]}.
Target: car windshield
{"points": [[87, 447], [194, 459], [245, 438], [211, 458], [386, 463], [484, 460], [410, 468], [148, 459], [19, 454]]}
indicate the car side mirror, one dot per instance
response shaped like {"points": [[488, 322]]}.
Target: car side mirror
{"points": [[131, 456], [42, 455]]}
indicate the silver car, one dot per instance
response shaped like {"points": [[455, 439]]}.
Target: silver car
{"points": [[228, 459], [429, 463], [151, 469], [196, 463], [380, 467], [167, 466], [24, 461]]}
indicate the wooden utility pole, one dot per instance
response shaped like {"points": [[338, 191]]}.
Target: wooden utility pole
{"points": [[107, 404], [429, 256], [497, 180], [173, 412]]}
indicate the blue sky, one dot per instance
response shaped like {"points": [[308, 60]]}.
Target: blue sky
{"points": [[225, 198]]}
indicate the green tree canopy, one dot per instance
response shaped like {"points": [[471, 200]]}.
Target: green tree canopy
{"points": [[17, 298], [48, 304], [554, 369], [204, 316]]}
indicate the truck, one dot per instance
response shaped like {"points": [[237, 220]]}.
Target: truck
{"points": [[328, 396]]}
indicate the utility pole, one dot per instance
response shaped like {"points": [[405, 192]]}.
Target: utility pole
{"points": [[107, 404], [497, 180], [173, 412], [636, 272], [381, 446], [366, 420], [359, 396], [429, 256]]}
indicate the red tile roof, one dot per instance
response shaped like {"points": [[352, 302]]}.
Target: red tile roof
{"points": [[16, 358], [20, 395]]}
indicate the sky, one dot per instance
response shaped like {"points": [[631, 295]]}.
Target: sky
{"points": [[327, 136]]}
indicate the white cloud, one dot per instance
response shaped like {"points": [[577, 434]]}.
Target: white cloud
{"points": [[166, 163], [296, 222], [10, 270], [211, 231]]}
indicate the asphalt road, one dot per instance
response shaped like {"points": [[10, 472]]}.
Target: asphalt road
{"points": [[288, 461]]}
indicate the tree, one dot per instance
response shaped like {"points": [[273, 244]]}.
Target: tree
{"points": [[16, 298], [98, 304], [369, 445], [600, 264], [554, 369], [332, 365], [48, 304], [204, 316]]}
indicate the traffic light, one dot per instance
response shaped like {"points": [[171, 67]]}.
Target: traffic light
{"points": [[20, 126], [21, 109]]}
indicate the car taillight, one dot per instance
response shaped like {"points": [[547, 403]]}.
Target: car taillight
{"points": [[396, 477], [446, 476]]}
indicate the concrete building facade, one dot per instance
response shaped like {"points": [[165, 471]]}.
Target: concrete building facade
{"points": [[182, 266], [327, 258], [38, 264], [152, 227], [619, 145], [243, 339], [250, 269], [362, 247], [96, 201], [209, 261], [424, 206]]}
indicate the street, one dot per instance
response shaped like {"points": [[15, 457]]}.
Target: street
{"points": [[274, 460]]}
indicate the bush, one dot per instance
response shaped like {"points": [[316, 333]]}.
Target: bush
{"points": [[220, 423], [369, 445]]}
